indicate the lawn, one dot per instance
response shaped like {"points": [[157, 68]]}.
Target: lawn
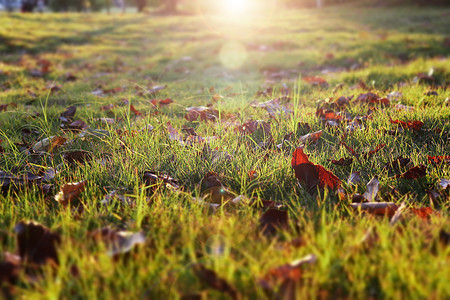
{"points": [[164, 156]]}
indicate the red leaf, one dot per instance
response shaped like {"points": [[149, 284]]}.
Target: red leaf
{"points": [[311, 137], [414, 125], [135, 111], [349, 149], [439, 159], [372, 152], [414, 172], [423, 212], [328, 115], [165, 102], [315, 80], [342, 162], [312, 175]]}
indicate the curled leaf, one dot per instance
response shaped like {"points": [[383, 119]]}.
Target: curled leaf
{"points": [[312, 175]]}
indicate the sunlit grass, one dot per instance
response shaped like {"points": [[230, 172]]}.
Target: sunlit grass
{"points": [[384, 48]]}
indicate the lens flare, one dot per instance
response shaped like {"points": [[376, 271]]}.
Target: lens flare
{"points": [[233, 55], [234, 7]]}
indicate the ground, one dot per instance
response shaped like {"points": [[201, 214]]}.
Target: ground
{"points": [[216, 202]]}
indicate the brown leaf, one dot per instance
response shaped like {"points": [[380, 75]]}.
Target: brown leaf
{"points": [[315, 80], [56, 142], [107, 107], [154, 181], [77, 125], [284, 281], [273, 220], [310, 137], [211, 279], [37, 244], [70, 192], [202, 112], [78, 156], [342, 162], [251, 126], [68, 114], [413, 173], [376, 208], [394, 166], [218, 195]]}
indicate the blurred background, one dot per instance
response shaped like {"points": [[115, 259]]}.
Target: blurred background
{"points": [[185, 6]]}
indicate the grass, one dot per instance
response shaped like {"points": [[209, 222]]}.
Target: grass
{"points": [[385, 48]]}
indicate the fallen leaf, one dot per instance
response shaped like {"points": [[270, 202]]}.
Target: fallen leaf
{"points": [[413, 173], [273, 220], [315, 80], [154, 181], [372, 189], [217, 195], [135, 111], [211, 279], [77, 125], [283, 282], [414, 125], [342, 161], [107, 107], [117, 242], [310, 137], [36, 243], [376, 208], [354, 179], [422, 212], [202, 112], [70, 192], [394, 166], [444, 183], [9, 269], [79, 156], [312, 175], [437, 160]]}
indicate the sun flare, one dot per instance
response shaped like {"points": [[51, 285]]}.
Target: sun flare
{"points": [[234, 7]]}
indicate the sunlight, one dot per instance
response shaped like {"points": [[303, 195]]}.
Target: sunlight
{"points": [[234, 7]]}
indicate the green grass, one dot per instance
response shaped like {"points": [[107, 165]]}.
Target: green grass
{"points": [[385, 48]]}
